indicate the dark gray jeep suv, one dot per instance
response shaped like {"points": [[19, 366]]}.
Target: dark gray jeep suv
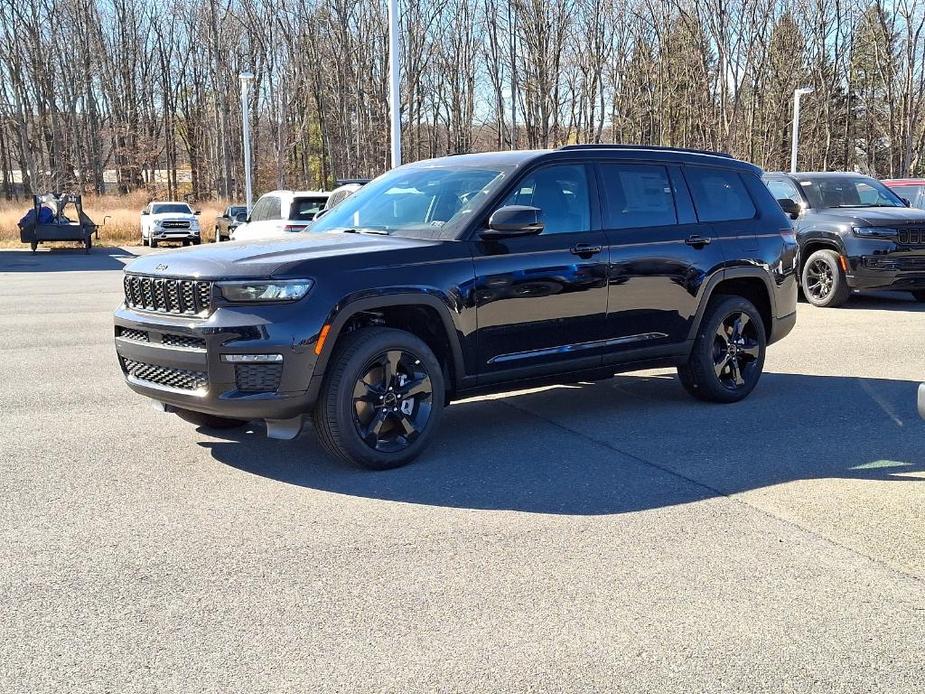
{"points": [[854, 233], [466, 275]]}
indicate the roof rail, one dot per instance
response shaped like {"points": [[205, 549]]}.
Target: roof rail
{"points": [[660, 148]]}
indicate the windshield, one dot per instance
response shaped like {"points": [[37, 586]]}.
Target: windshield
{"points": [[849, 191], [414, 199], [171, 208], [915, 194]]}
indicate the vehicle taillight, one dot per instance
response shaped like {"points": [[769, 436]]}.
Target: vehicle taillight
{"points": [[295, 227]]}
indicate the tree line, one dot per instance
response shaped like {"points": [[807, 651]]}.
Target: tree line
{"points": [[134, 87]]}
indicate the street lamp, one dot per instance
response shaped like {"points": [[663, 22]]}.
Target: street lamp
{"points": [[797, 93], [394, 83], [246, 78]]}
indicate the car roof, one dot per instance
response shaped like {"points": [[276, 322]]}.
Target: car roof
{"points": [[297, 193], [899, 182], [169, 202], [810, 175], [521, 157]]}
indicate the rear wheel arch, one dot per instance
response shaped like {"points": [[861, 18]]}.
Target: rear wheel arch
{"points": [[742, 282], [422, 315]]}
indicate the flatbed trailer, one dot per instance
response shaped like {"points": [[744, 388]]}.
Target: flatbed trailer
{"points": [[60, 227]]}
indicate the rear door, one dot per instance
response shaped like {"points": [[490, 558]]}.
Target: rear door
{"points": [[660, 255], [542, 300]]}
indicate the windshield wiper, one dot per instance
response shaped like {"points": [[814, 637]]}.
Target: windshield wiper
{"points": [[365, 230], [857, 206]]}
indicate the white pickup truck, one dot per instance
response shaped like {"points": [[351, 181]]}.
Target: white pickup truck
{"points": [[169, 221]]}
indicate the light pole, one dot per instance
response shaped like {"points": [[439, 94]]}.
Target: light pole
{"points": [[797, 93], [394, 83], [246, 77]]}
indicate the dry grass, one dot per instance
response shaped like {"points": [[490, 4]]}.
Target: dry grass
{"points": [[121, 227]]}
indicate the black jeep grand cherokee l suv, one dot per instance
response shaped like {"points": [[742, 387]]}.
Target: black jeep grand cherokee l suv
{"points": [[465, 275], [854, 233]]}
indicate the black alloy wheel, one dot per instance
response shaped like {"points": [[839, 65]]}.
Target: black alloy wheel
{"points": [[736, 350], [727, 357], [382, 398], [820, 280], [823, 279], [392, 401]]}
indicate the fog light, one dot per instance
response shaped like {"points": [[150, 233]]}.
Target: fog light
{"points": [[252, 358]]}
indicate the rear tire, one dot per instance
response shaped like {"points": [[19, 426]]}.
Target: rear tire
{"points": [[728, 354], [152, 242], [823, 280], [210, 421], [381, 400]]}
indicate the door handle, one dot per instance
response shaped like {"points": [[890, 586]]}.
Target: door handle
{"points": [[697, 241], [585, 249]]}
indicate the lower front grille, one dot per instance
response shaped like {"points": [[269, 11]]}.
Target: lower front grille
{"points": [[181, 379], [258, 378], [183, 341], [133, 335]]}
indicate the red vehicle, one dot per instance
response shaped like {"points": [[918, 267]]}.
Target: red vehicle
{"points": [[911, 189]]}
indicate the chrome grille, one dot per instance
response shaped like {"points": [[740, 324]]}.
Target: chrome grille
{"points": [[133, 335], [257, 378], [183, 341], [181, 379], [911, 237], [167, 295]]}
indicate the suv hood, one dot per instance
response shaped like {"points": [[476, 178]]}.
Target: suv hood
{"points": [[874, 216], [263, 258]]}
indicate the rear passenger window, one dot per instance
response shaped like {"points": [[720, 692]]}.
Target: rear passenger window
{"points": [[719, 196], [637, 195], [306, 209]]}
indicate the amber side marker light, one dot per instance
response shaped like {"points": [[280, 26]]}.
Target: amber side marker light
{"points": [[325, 329], [844, 263]]}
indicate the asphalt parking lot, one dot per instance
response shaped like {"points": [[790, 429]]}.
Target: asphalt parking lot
{"points": [[612, 536]]}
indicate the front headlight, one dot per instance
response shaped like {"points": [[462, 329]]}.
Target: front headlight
{"points": [[272, 290], [875, 232]]}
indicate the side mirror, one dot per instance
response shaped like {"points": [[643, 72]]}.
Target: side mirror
{"points": [[514, 220], [906, 202], [144, 212], [197, 212], [792, 208]]}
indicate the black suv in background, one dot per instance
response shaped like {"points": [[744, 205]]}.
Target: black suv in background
{"points": [[854, 233], [469, 274]]}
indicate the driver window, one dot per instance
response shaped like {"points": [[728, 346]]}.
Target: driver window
{"points": [[561, 192]]}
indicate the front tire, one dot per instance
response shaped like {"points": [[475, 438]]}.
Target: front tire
{"points": [[382, 399], [728, 354], [824, 281]]}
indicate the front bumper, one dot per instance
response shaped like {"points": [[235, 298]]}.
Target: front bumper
{"points": [[175, 234], [177, 360], [883, 264]]}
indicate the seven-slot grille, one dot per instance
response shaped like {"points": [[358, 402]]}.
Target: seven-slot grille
{"points": [[167, 295], [911, 237], [182, 379]]}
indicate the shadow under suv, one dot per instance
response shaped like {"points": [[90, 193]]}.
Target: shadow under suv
{"points": [[470, 274], [854, 233]]}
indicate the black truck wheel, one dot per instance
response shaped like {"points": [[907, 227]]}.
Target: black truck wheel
{"points": [[382, 398], [824, 282], [728, 354]]}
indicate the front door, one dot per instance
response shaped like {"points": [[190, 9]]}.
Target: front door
{"points": [[660, 255], [542, 300]]}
